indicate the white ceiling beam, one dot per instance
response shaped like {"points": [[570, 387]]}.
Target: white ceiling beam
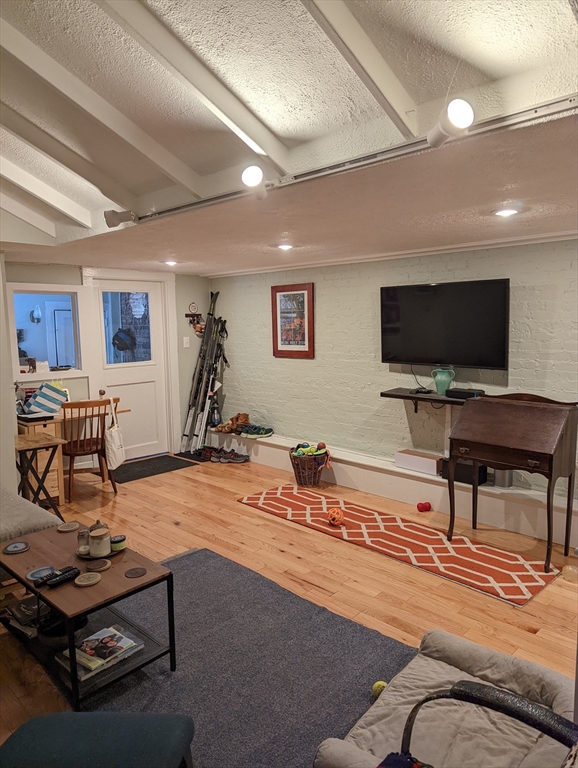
{"points": [[74, 89], [37, 138], [23, 212], [356, 47], [182, 63], [44, 192]]}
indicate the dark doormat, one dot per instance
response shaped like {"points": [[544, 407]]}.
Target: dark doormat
{"points": [[136, 470]]}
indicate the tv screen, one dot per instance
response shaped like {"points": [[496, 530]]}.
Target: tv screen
{"points": [[462, 324]]}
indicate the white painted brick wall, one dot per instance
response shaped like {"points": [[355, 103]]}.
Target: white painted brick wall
{"points": [[335, 397]]}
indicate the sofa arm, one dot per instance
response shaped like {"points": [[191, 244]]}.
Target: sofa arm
{"points": [[336, 753]]}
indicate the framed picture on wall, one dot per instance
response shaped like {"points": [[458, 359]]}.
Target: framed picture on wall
{"points": [[293, 320]]}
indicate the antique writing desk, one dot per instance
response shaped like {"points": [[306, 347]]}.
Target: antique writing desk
{"points": [[506, 433]]}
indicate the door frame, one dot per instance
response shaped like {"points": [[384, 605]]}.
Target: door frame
{"points": [[88, 308], [170, 347]]}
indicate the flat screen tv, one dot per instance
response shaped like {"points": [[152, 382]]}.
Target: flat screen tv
{"points": [[464, 324]]}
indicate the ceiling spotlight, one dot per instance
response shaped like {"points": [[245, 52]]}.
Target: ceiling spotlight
{"points": [[114, 218], [454, 121], [506, 212], [170, 263], [285, 247], [252, 176]]}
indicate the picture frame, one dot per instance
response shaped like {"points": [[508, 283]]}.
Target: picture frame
{"points": [[293, 320]]}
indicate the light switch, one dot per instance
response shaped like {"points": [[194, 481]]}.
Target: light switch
{"points": [[186, 342]]}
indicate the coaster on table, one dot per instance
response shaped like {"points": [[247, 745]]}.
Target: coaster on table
{"points": [[98, 565], [38, 573], [68, 527], [16, 548], [87, 579], [134, 573]]}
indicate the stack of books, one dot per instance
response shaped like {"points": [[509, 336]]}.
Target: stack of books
{"points": [[25, 615], [100, 651]]}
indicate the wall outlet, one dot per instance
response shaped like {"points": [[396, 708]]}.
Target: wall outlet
{"points": [[186, 342]]}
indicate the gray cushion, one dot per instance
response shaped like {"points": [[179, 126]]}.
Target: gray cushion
{"points": [[19, 517], [448, 733]]}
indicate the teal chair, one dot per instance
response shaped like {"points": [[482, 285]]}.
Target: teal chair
{"points": [[100, 740]]}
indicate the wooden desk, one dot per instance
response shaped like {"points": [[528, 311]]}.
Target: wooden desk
{"points": [[28, 463], [513, 434]]}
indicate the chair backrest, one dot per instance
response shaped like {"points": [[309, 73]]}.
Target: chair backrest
{"points": [[85, 425], [528, 398]]}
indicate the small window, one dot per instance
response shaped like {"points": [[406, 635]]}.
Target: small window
{"points": [[46, 331], [127, 329]]}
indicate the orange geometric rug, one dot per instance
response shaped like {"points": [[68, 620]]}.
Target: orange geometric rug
{"points": [[505, 575]]}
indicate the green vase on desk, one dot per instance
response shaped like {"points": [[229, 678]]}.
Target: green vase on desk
{"points": [[443, 378]]}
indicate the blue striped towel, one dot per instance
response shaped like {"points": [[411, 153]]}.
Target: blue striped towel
{"points": [[46, 399]]}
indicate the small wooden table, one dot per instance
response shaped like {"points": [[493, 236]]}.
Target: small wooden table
{"points": [[50, 547], [27, 447]]}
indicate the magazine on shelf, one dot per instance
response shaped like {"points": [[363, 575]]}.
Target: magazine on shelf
{"points": [[84, 673], [101, 648]]}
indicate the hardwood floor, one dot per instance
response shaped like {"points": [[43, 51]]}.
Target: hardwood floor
{"points": [[197, 507]]}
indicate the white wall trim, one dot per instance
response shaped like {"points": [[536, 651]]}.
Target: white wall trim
{"points": [[513, 509]]}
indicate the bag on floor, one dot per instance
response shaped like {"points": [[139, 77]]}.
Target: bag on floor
{"points": [[113, 444], [47, 399]]}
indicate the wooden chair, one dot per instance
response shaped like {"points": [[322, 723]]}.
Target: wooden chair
{"points": [[85, 423]]}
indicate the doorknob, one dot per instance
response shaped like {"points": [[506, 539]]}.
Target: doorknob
{"points": [[102, 392]]}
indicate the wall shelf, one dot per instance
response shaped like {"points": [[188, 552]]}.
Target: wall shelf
{"points": [[401, 393]]}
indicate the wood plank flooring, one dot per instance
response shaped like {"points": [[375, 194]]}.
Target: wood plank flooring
{"points": [[197, 507]]}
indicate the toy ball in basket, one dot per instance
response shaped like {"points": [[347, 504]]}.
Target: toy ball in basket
{"points": [[308, 461]]}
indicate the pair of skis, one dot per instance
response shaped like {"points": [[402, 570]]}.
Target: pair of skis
{"points": [[205, 384]]}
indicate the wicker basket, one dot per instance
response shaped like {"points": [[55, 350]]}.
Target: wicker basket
{"points": [[308, 469]]}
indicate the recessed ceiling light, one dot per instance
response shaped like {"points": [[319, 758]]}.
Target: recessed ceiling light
{"points": [[170, 263], [285, 247], [506, 212]]}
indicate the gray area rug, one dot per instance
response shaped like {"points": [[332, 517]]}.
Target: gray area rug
{"points": [[265, 675]]}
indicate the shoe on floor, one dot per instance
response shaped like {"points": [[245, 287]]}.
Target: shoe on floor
{"points": [[216, 454], [232, 457], [254, 432]]}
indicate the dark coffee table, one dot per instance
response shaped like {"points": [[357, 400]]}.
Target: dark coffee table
{"points": [[50, 547]]}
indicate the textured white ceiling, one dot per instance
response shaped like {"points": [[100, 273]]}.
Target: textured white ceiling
{"points": [[424, 42], [122, 72], [435, 201], [62, 180], [46, 108], [276, 61]]}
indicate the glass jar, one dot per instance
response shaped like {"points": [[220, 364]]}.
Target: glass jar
{"points": [[83, 546], [99, 542]]}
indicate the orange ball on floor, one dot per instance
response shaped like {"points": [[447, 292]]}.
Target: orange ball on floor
{"points": [[335, 516]]}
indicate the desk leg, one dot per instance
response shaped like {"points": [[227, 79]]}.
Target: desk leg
{"points": [[73, 666], [569, 513], [451, 491], [475, 469], [171, 612], [550, 517]]}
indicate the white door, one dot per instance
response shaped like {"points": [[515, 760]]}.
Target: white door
{"points": [[132, 362]]}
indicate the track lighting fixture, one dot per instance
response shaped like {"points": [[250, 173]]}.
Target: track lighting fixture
{"points": [[253, 178], [454, 121], [114, 218]]}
